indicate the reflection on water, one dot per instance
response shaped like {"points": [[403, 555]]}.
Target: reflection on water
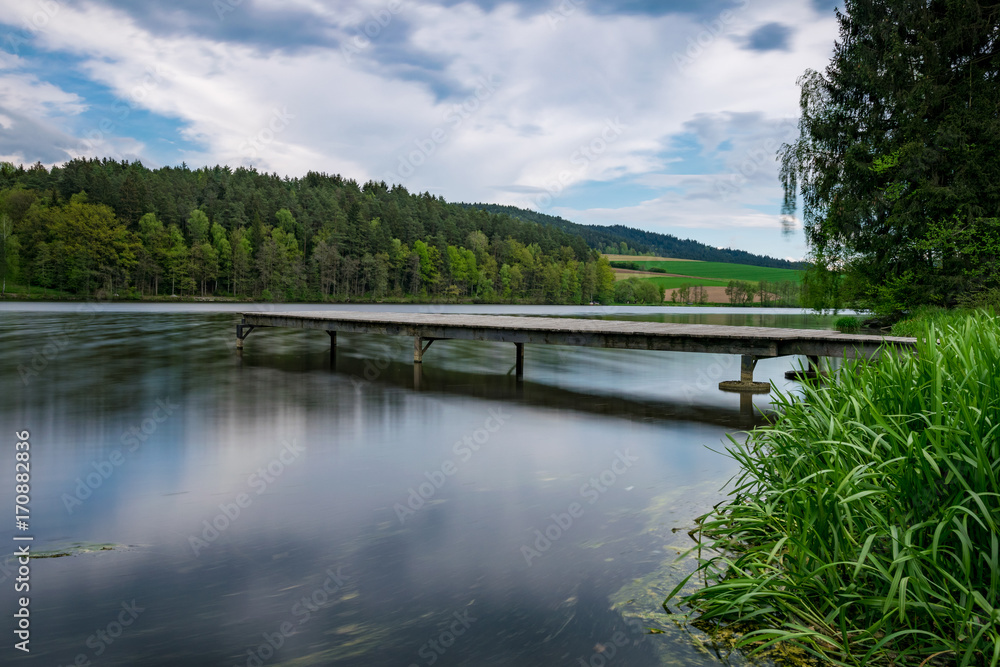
{"points": [[270, 509]]}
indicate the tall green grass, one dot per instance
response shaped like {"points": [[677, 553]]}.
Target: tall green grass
{"points": [[864, 524], [916, 323]]}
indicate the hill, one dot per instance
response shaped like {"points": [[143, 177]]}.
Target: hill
{"points": [[103, 227], [608, 239]]}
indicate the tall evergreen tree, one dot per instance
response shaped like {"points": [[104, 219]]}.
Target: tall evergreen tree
{"points": [[898, 158]]}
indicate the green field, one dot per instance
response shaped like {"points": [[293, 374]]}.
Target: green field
{"points": [[723, 271], [670, 282]]}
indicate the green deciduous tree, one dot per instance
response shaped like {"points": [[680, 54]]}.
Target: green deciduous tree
{"points": [[91, 247], [898, 157], [326, 260], [178, 261], [740, 292], [604, 280], [156, 246], [204, 264], [197, 226], [224, 252], [239, 239], [8, 247], [637, 290]]}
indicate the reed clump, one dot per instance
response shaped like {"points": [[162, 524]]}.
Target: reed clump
{"points": [[864, 523], [916, 324], [847, 324]]}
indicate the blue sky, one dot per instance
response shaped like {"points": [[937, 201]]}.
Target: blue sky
{"points": [[658, 115]]}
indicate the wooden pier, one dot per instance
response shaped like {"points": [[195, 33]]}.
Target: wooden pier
{"points": [[751, 343]]}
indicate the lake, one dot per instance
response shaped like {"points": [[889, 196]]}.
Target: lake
{"points": [[269, 509]]}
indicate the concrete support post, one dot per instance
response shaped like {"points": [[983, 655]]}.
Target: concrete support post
{"points": [[746, 410], [519, 360], [748, 363]]}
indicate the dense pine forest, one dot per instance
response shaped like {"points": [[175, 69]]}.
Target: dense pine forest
{"points": [[107, 228]]}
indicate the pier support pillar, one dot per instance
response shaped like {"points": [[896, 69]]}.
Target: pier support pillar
{"points": [[746, 382], [812, 372], [519, 360], [242, 331], [419, 348], [746, 409], [747, 364], [333, 342]]}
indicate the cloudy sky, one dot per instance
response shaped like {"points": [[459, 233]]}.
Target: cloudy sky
{"points": [[663, 115]]}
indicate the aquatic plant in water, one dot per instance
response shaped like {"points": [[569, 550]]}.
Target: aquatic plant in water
{"points": [[864, 523], [847, 324]]}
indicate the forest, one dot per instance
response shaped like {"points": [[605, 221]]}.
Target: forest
{"points": [[107, 228], [615, 239]]}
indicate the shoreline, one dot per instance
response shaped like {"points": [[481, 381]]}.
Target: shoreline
{"points": [[21, 298]]}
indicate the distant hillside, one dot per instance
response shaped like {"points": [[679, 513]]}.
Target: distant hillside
{"points": [[604, 237]]}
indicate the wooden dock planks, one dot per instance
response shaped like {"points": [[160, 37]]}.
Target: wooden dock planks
{"points": [[758, 342]]}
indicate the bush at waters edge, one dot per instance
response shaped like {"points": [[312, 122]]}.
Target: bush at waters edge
{"points": [[916, 324], [864, 523]]}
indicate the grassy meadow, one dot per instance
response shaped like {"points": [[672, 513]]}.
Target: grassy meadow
{"points": [[672, 274], [671, 282], [719, 270]]}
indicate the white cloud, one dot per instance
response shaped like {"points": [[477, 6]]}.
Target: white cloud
{"points": [[25, 93], [555, 88]]}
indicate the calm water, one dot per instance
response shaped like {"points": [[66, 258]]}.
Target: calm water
{"points": [[271, 510]]}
